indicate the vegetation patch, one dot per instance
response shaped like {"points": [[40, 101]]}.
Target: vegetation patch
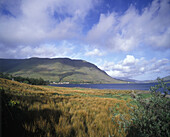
{"points": [[32, 81], [29, 110]]}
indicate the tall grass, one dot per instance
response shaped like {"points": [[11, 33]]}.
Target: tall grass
{"points": [[62, 112]]}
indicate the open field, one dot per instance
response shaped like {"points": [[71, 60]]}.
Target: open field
{"points": [[29, 110]]}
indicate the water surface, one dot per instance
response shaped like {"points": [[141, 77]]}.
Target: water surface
{"points": [[136, 86]]}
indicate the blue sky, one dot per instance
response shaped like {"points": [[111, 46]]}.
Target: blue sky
{"points": [[126, 38]]}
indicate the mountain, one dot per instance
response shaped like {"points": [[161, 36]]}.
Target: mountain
{"points": [[128, 80], [167, 78], [56, 69]]}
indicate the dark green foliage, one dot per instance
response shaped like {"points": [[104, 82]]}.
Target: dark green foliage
{"points": [[32, 81], [151, 118]]}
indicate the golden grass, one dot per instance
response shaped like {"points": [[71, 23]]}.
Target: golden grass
{"points": [[58, 111]]}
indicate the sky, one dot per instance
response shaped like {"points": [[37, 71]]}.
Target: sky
{"points": [[125, 38]]}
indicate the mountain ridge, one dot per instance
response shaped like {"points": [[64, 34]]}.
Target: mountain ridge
{"points": [[57, 70], [165, 79]]}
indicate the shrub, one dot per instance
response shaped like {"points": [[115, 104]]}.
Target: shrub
{"points": [[152, 115]]}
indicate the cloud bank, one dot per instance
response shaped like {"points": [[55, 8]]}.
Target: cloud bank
{"points": [[35, 22], [31, 22], [131, 67], [132, 29]]}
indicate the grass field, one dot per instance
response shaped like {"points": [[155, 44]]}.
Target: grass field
{"points": [[29, 110]]}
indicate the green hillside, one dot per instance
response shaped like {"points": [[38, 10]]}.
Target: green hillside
{"points": [[57, 69]]}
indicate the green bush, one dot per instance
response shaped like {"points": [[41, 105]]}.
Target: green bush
{"points": [[151, 118]]}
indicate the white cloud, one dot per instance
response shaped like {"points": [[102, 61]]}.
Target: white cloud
{"points": [[130, 60], [95, 52], [102, 29], [115, 73], [142, 69], [37, 21], [131, 67], [128, 31], [63, 49]]}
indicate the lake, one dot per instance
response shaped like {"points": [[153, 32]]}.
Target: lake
{"points": [[130, 86]]}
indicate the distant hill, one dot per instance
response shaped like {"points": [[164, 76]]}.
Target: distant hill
{"points": [[56, 69], [129, 80], [167, 78]]}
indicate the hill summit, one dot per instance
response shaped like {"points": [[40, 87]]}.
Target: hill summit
{"points": [[57, 70]]}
